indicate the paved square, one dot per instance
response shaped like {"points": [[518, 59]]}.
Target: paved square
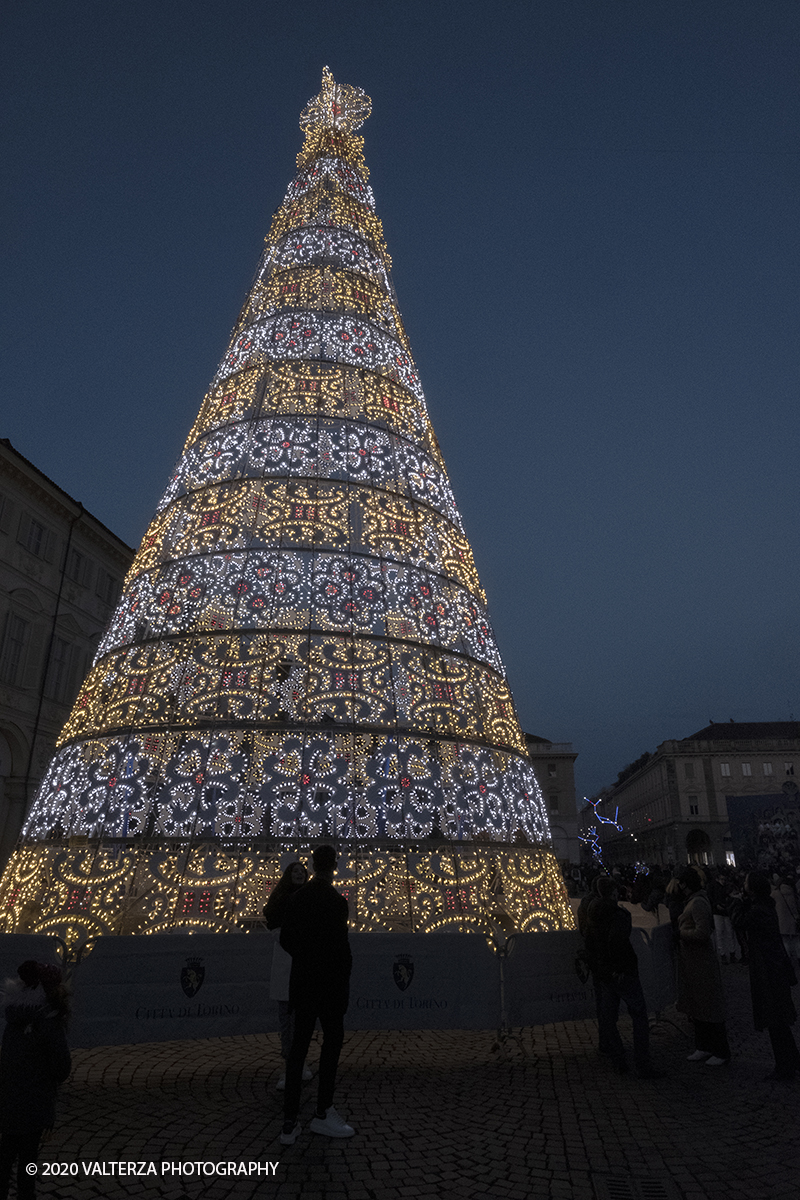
{"points": [[442, 1116]]}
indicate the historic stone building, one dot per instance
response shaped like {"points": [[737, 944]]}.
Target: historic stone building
{"points": [[61, 572], [672, 805], [554, 767]]}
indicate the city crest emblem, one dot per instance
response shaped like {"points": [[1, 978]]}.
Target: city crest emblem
{"points": [[192, 976], [403, 971]]}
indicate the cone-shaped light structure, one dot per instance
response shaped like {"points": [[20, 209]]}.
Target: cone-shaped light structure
{"points": [[302, 648]]}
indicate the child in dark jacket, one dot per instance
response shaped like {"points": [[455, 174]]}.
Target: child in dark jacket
{"points": [[34, 1060]]}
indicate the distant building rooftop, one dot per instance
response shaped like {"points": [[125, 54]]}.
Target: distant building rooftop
{"points": [[751, 731]]}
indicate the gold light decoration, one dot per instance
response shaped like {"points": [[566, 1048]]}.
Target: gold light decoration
{"points": [[338, 106], [84, 892], [302, 648]]}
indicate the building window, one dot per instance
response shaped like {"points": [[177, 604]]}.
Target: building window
{"points": [[789, 768], [34, 540], [730, 858], [6, 509], [725, 769], [60, 684], [78, 568], [107, 587], [13, 647], [694, 807], [688, 770], [746, 769], [552, 770], [553, 798], [766, 768]]}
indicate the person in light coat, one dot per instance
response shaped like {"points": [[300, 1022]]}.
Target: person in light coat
{"points": [[700, 993], [788, 914], [294, 877]]}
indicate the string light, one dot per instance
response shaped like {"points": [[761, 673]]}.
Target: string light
{"points": [[302, 647], [592, 838]]}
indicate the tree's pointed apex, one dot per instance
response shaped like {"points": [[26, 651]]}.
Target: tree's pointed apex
{"points": [[338, 106]]}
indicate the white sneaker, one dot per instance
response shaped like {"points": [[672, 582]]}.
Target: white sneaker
{"points": [[714, 1061], [280, 1086], [699, 1056], [307, 1074], [331, 1125], [289, 1136]]}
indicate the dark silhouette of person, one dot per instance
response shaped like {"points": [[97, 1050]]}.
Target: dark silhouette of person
{"points": [[583, 917], [314, 932], [34, 1060], [771, 975], [615, 968]]}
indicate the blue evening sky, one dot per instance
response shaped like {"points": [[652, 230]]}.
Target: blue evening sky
{"points": [[592, 209]]}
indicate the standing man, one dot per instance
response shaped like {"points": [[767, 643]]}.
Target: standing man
{"points": [[314, 932], [616, 977], [583, 918]]}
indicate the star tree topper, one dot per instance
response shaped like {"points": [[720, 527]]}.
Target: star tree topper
{"points": [[338, 106]]}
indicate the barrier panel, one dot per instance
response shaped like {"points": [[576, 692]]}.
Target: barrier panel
{"points": [[167, 987], [542, 984], [170, 986], [654, 951], [422, 981]]}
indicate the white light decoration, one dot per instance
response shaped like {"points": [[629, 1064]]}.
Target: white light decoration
{"points": [[302, 648]]}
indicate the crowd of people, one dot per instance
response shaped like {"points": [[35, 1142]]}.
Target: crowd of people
{"points": [[653, 886], [719, 915]]}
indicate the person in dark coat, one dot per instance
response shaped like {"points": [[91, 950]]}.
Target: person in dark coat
{"points": [[771, 975], [34, 1060], [314, 932], [615, 968], [583, 917]]}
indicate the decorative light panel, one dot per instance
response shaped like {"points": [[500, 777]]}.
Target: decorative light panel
{"points": [[302, 648]]}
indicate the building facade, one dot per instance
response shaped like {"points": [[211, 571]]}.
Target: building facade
{"points": [[672, 805], [61, 572], [554, 767]]}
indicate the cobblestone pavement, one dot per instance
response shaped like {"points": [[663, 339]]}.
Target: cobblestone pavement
{"points": [[440, 1115]]}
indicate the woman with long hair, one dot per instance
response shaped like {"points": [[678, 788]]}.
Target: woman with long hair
{"points": [[700, 993], [294, 877]]}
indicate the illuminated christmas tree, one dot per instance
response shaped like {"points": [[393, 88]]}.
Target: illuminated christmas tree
{"points": [[302, 649]]}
